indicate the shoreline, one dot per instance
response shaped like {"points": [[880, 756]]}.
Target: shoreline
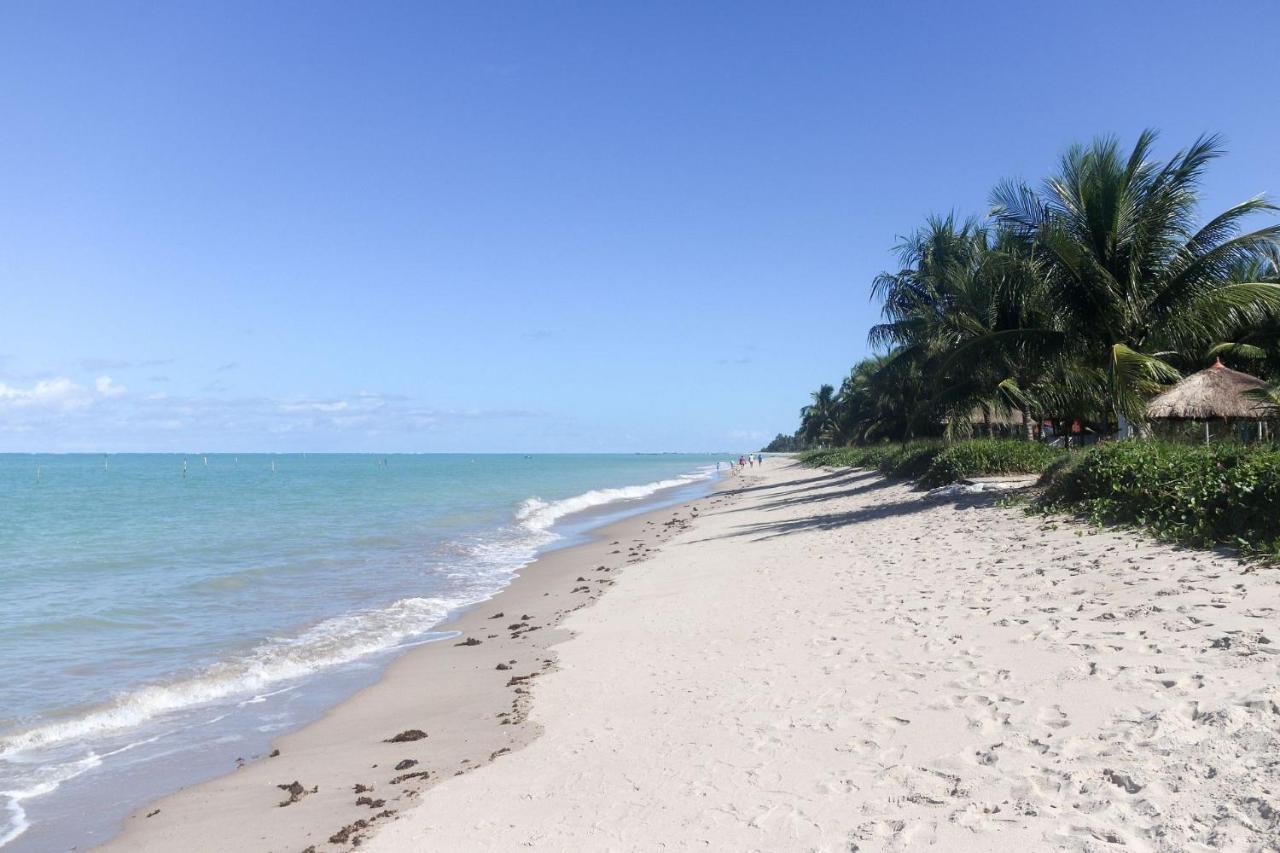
{"points": [[834, 661], [469, 699], [821, 660]]}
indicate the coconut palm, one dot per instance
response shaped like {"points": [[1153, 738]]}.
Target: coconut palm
{"points": [[881, 398], [1075, 302], [818, 419], [962, 305], [923, 304], [1136, 287], [1254, 345]]}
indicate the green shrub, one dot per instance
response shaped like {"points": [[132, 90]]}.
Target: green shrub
{"points": [[1221, 494], [934, 463], [1202, 495], [989, 456], [846, 457], [1061, 468], [909, 461]]}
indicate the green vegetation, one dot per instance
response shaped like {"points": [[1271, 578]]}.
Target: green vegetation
{"points": [[868, 456], [934, 463], [783, 443], [985, 457], [1201, 495], [1061, 313], [910, 461], [1069, 305], [839, 457]]}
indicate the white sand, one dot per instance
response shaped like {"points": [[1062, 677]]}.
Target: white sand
{"points": [[833, 662]]}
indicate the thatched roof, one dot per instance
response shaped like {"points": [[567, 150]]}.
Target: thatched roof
{"points": [[999, 416], [1213, 393]]}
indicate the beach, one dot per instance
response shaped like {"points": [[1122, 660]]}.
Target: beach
{"points": [[809, 660], [441, 709]]}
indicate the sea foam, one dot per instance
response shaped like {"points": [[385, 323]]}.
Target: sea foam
{"points": [[539, 515], [335, 641]]}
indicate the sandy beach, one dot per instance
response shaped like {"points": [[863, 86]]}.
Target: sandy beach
{"points": [[812, 660], [440, 710]]}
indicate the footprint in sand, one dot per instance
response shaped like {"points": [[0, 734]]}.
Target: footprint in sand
{"points": [[1053, 717]]}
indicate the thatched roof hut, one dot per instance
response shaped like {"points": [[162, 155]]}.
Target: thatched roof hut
{"points": [[1216, 393]]}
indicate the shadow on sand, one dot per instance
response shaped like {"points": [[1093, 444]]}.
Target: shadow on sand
{"points": [[867, 482], [800, 485]]}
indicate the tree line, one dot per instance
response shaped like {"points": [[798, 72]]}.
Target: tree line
{"points": [[1070, 303]]}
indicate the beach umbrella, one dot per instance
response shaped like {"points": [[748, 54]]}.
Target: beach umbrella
{"points": [[1217, 392]]}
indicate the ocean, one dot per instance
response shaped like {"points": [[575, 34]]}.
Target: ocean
{"points": [[164, 615]]}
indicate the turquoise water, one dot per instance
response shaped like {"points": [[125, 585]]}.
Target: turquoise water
{"points": [[160, 608]]}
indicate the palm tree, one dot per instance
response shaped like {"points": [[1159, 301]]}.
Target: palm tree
{"points": [[1134, 285], [962, 307], [922, 306], [818, 419], [883, 398], [1254, 345]]}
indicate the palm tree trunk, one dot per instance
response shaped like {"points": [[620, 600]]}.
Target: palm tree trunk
{"points": [[986, 421], [1027, 431]]}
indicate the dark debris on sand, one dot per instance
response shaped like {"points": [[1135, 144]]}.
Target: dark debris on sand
{"points": [[406, 736], [295, 792]]}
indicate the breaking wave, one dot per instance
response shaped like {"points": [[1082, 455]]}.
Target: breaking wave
{"points": [[335, 641], [538, 515]]}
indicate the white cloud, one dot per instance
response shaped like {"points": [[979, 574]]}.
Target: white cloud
{"points": [[59, 394], [63, 414], [107, 388], [315, 406]]}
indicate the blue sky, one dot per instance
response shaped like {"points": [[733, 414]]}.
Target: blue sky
{"points": [[528, 226]]}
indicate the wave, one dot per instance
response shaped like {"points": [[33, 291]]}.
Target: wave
{"points": [[335, 641], [538, 515], [17, 823], [48, 779]]}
